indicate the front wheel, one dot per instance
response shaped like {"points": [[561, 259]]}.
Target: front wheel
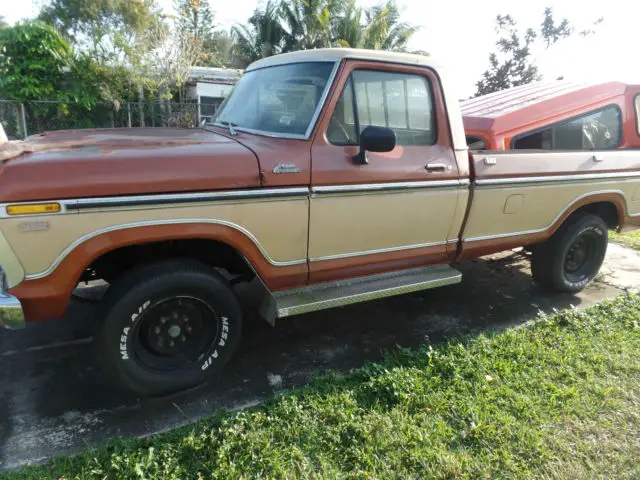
{"points": [[168, 326], [572, 257]]}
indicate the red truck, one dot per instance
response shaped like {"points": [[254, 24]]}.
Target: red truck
{"points": [[328, 177]]}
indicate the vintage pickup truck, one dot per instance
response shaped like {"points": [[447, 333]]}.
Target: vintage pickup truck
{"points": [[328, 177]]}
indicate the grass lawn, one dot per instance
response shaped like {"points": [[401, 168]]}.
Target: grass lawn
{"points": [[631, 239], [559, 398]]}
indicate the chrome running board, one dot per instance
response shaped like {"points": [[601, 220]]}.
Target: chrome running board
{"points": [[362, 289]]}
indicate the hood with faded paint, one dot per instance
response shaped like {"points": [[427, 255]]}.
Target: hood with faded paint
{"points": [[88, 163]]}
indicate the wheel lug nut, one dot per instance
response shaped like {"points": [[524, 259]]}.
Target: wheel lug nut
{"points": [[156, 330], [183, 338], [189, 329], [172, 343]]}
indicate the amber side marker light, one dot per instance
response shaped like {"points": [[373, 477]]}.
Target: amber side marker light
{"points": [[33, 209]]}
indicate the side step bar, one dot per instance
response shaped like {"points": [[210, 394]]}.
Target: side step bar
{"points": [[361, 289]]}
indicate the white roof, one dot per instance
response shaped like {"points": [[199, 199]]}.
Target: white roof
{"points": [[336, 54], [214, 73]]}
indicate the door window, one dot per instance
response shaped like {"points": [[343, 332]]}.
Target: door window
{"points": [[594, 131], [638, 112], [402, 102]]}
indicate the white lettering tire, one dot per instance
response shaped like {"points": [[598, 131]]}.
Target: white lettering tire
{"points": [[168, 326]]}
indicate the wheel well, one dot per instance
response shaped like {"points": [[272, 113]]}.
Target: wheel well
{"points": [[605, 210], [217, 254]]}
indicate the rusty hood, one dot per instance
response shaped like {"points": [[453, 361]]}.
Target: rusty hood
{"points": [[104, 162]]}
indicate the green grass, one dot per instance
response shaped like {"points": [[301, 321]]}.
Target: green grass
{"points": [[631, 239], [559, 398]]}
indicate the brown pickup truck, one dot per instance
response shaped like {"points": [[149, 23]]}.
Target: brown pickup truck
{"points": [[328, 177]]}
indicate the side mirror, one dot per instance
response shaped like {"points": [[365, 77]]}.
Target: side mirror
{"points": [[374, 139]]}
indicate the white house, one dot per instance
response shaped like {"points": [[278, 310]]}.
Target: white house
{"points": [[208, 86]]}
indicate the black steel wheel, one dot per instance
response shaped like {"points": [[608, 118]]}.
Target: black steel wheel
{"points": [[173, 331], [168, 326], [572, 257]]}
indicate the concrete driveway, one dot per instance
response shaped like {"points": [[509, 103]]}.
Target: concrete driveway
{"points": [[54, 401]]}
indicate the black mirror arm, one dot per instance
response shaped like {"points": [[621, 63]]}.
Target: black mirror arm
{"points": [[361, 157]]}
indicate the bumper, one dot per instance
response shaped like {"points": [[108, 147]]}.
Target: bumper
{"points": [[11, 314]]}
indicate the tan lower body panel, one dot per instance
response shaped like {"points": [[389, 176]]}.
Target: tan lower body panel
{"points": [[343, 225], [278, 226], [510, 210]]}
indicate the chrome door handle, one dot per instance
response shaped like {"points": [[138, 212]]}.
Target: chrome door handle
{"points": [[437, 167]]}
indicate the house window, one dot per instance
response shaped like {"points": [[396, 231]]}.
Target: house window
{"points": [[593, 131], [402, 102]]}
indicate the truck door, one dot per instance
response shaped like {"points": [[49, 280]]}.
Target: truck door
{"points": [[401, 208]]}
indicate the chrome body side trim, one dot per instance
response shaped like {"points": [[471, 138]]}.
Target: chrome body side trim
{"points": [[379, 187], [555, 178], [373, 252], [75, 205], [151, 223], [11, 313], [543, 229], [181, 198]]}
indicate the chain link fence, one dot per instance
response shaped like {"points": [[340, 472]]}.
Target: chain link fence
{"points": [[21, 120]]}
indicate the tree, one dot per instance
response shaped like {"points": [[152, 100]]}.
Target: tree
{"points": [[169, 65], [381, 29], [220, 49], [194, 22], [113, 31], [264, 35], [305, 24], [308, 23], [512, 64], [194, 19], [3, 22], [33, 60]]}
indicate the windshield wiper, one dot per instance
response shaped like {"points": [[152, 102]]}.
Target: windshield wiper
{"points": [[232, 130]]}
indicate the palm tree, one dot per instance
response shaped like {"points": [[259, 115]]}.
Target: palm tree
{"points": [[308, 23], [347, 28], [380, 30], [262, 37]]}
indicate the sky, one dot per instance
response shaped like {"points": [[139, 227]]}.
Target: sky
{"points": [[461, 33]]}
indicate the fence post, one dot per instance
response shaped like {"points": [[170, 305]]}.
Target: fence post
{"points": [[23, 121], [141, 104], [129, 114]]}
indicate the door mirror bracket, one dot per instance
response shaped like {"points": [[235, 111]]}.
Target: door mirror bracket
{"points": [[374, 139]]}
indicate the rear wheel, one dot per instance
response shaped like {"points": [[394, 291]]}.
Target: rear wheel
{"points": [[168, 326], [572, 257]]}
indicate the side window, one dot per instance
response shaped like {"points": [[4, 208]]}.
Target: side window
{"points": [[594, 131], [638, 112], [475, 143], [342, 126], [402, 102]]}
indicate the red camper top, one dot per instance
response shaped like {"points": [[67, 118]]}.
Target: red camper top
{"points": [[497, 118]]}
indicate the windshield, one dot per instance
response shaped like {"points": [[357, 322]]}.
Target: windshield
{"points": [[281, 99]]}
